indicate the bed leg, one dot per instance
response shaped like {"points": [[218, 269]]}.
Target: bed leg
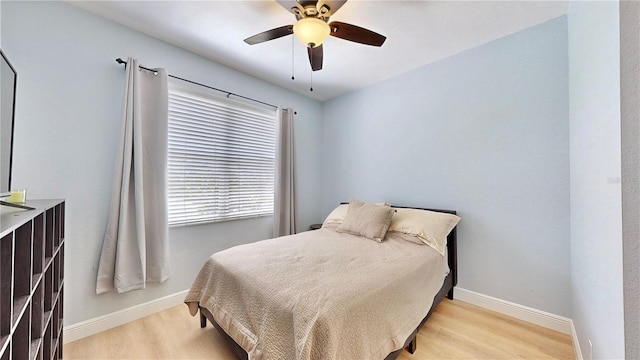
{"points": [[450, 294], [412, 345], [203, 320]]}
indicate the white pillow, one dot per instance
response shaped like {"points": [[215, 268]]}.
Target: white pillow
{"points": [[430, 227], [336, 217]]}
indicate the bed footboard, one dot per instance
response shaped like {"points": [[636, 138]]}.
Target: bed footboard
{"points": [[203, 319]]}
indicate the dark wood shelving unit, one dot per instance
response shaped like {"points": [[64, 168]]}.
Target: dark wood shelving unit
{"points": [[32, 281]]}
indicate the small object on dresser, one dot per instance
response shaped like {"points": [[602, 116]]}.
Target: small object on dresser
{"points": [[315, 226], [18, 196]]}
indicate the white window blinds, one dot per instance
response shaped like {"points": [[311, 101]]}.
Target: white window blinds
{"points": [[221, 158]]}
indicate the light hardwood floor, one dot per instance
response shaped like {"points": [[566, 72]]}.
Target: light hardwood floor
{"points": [[456, 330]]}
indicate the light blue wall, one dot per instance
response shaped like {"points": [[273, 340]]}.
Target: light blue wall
{"points": [[484, 132], [67, 125], [596, 220]]}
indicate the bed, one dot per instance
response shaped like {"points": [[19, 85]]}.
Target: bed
{"points": [[327, 294]]}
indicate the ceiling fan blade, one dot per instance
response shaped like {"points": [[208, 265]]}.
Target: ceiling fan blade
{"points": [[356, 34], [270, 35], [315, 57]]}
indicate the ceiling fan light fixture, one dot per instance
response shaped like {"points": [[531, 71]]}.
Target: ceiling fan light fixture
{"points": [[311, 31]]}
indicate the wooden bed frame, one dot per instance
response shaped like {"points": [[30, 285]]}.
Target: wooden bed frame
{"points": [[410, 344]]}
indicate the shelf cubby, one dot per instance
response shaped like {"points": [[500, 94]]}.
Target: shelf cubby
{"points": [[21, 339], [37, 312], [61, 256], [56, 277], [48, 288], [6, 276], [46, 343], [38, 245], [55, 328], [21, 269], [56, 226], [48, 238]]}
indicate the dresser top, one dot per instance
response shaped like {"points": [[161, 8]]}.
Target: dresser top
{"points": [[12, 218]]}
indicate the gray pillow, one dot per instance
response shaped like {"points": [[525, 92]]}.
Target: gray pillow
{"points": [[366, 219]]}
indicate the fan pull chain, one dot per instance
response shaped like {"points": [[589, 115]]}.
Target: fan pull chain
{"points": [[292, 59], [311, 61]]}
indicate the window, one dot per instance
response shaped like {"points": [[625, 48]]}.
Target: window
{"points": [[221, 158]]}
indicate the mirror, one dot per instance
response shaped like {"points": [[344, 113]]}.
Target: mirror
{"points": [[8, 79]]}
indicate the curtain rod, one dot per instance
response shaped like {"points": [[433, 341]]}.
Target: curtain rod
{"points": [[120, 61]]}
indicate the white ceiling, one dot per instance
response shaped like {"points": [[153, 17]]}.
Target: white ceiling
{"points": [[418, 33]]}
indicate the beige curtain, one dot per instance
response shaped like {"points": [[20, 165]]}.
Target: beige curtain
{"points": [[284, 212], [136, 243]]}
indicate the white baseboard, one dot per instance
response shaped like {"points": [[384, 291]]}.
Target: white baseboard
{"points": [[534, 316], [89, 327], [576, 344]]}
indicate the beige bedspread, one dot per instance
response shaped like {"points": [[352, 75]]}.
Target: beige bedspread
{"points": [[319, 294]]}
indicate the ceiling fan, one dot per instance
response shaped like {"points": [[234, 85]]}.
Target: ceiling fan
{"points": [[312, 28]]}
